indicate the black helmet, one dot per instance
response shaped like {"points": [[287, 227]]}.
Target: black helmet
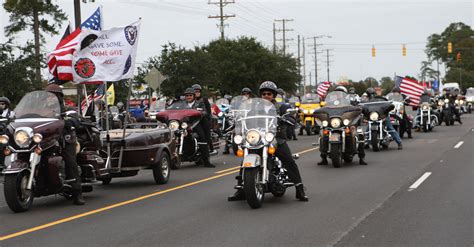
{"points": [[228, 97], [100, 102], [396, 90], [5, 100], [280, 91], [246, 90], [341, 89], [268, 86], [370, 91], [189, 90], [352, 90], [54, 88], [196, 87], [120, 104]]}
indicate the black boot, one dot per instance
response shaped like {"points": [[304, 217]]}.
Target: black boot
{"points": [[300, 195], [323, 162], [77, 199], [207, 163], [400, 146], [239, 195], [226, 150], [362, 162]]}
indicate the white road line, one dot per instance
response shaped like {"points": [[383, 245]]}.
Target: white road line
{"points": [[419, 181], [458, 145]]}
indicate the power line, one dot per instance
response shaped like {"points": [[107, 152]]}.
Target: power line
{"points": [[284, 30], [221, 16]]}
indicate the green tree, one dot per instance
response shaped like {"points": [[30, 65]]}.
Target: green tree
{"points": [[387, 84], [460, 35], [37, 16]]}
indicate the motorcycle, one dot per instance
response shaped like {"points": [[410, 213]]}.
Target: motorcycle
{"points": [[469, 99], [262, 172], [182, 119], [445, 110], [34, 166], [426, 119], [309, 103], [376, 111], [339, 134]]}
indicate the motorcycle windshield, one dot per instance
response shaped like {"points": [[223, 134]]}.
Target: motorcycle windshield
{"points": [[222, 103], [235, 106], [180, 105], [337, 99], [395, 97], [38, 104], [258, 114], [425, 99], [470, 92], [310, 98]]}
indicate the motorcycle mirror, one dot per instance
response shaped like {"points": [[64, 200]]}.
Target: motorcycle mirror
{"points": [[296, 156]]}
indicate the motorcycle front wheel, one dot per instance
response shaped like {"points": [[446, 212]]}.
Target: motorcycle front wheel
{"points": [[253, 188], [375, 141], [18, 198], [336, 154]]}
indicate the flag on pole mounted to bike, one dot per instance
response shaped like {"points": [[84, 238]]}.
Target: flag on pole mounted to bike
{"points": [[323, 89], [98, 94], [107, 55], [60, 60], [412, 89]]}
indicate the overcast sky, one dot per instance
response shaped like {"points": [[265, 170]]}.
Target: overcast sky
{"points": [[354, 26]]}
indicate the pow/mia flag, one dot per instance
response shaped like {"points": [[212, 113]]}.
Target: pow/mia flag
{"points": [[107, 55]]}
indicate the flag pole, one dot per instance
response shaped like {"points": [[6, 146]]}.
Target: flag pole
{"points": [[125, 121], [107, 126]]}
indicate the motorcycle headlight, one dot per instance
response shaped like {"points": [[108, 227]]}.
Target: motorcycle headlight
{"points": [[184, 125], [4, 139], [174, 125], [253, 137], [37, 138], [446, 101], [456, 102], [306, 112], [440, 103], [346, 121], [335, 122], [311, 111], [220, 114], [325, 123], [425, 107], [22, 139], [374, 116], [269, 137], [238, 139], [461, 102]]}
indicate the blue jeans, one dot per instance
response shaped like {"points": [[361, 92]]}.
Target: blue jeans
{"points": [[392, 131]]}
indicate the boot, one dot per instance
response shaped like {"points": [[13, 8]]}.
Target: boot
{"points": [[226, 150], [409, 136], [77, 199], [323, 162], [207, 163], [300, 195], [362, 162], [239, 195], [400, 147]]}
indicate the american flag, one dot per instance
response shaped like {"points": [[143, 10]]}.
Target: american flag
{"points": [[323, 89], [60, 60], [98, 94], [412, 89]]}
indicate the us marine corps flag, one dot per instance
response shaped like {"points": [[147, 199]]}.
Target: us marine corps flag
{"points": [[107, 55]]}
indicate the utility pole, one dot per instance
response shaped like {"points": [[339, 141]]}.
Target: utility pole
{"points": [[274, 38], [315, 47], [221, 16], [77, 13], [328, 63], [304, 67], [284, 30], [299, 62]]}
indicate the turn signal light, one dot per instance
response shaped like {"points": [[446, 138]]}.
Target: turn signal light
{"points": [[271, 150], [325, 132], [247, 164], [7, 152], [348, 131], [240, 153]]}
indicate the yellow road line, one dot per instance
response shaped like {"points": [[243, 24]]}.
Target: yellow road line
{"points": [[308, 150], [34, 229]]}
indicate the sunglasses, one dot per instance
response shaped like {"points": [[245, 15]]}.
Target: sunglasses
{"points": [[267, 94], [189, 95]]}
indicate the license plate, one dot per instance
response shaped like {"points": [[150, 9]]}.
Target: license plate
{"points": [[335, 137]]}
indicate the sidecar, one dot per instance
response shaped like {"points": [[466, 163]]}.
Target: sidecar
{"points": [[139, 146]]}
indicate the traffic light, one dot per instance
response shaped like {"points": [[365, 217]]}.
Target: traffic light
{"points": [[458, 57], [404, 51], [373, 51], [450, 47]]}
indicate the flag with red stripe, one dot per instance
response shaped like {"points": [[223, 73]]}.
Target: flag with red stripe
{"points": [[98, 94], [412, 89], [60, 60], [323, 89]]}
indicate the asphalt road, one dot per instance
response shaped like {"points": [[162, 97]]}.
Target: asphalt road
{"points": [[351, 206]]}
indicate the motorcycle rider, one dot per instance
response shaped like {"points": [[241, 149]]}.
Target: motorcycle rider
{"points": [[268, 91], [407, 123], [324, 141], [246, 92], [206, 121], [371, 94], [452, 96], [200, 128], [69, 146], [5, 111]]}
